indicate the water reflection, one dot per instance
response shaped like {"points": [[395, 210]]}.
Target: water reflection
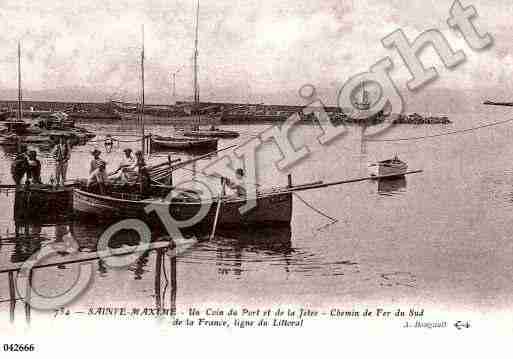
{"points": [[43, 204], [27, 240], [169, 281], [233, 249], [391, 187], [31, 237]]}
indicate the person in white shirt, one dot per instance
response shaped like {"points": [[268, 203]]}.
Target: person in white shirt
{"points": [[236, 188], [126, 165]]}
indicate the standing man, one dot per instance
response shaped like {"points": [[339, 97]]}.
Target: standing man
{"points": [[61, 154], [34, 168], [143, 175]]}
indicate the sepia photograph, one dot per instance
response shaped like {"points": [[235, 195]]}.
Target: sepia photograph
{"points": [[227, 178]]}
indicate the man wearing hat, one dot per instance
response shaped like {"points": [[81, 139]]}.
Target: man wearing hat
{"points": [[61, 154], [97, 172]]}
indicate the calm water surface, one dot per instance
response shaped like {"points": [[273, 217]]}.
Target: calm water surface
{"points": [[442, 236]]}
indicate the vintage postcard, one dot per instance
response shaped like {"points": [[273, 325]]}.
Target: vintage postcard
{"points": [[227, 178]]}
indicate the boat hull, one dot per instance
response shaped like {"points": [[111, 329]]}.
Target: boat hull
{"points": [[215, 134], [270, 209], [183, 144], [389, 170]]}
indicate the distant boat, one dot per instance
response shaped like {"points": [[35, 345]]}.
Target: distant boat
{"points": [[391, 167], [16, 127], [213, 132], [56, 120], [183, 143], [361, 112]]}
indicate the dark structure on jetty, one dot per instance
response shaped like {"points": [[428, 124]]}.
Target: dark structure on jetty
{"points": [[225, 112], [416, 119], [85, 110]]}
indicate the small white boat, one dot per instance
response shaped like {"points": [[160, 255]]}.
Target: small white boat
{"points": [[391, 168]]}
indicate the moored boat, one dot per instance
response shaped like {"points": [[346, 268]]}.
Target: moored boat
{"points": [[183, 143], [272, 207], [391, 167], [215, 132]]}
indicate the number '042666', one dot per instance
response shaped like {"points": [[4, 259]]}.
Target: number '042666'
{"points": [[19, 347]]}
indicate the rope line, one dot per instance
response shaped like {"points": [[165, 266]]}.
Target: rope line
{"points": [[333, 220], [440, 134]]}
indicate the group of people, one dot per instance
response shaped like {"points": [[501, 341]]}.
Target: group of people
{"points": [[98, 175], [27, 165]]}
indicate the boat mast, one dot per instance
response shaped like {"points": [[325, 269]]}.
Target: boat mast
{"points": [[19, 114], [195, 80], [142, 95]]}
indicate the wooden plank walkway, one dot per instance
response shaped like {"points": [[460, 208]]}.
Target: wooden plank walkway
{"points": [[70, 259], [88, 256]]}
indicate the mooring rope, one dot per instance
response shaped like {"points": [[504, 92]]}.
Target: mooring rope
{"points": [[439, 134], [333, 220]]}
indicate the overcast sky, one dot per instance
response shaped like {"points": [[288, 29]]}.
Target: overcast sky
{"points": [[249, 50]]}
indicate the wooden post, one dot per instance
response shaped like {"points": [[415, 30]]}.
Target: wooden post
{"points": [[12, 296], [219, 201], [172, 276], [28, 296], [170, 178], [158, 270]]}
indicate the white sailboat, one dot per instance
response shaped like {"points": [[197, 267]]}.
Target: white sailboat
{"points": [[191, 139]]}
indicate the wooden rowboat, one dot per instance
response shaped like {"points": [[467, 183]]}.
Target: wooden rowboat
{"points": [[183, 143], [392, 167], [272, 207], [216, 133]]}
